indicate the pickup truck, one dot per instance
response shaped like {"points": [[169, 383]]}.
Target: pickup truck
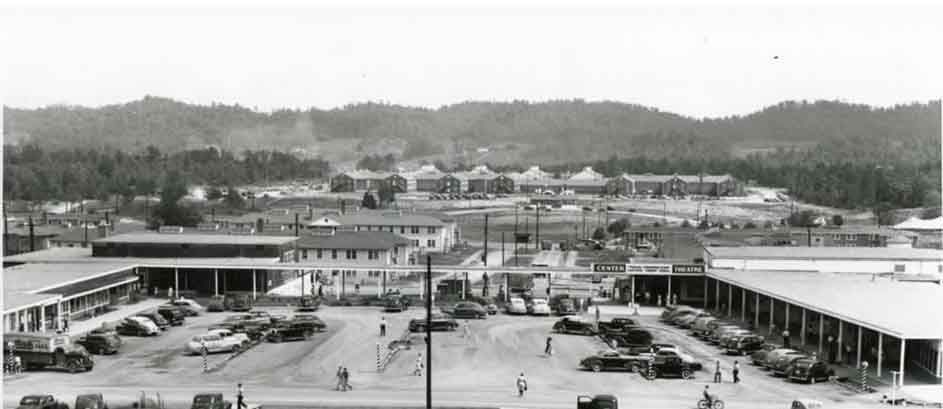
{"points": [[210, 401], [41, 402], [618, 325], [217, 340]]}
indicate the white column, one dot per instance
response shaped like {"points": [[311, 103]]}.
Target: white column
{"points": [[786, 325], [880, 352], [42, 318], [463, 289], [821, 330], [59, 315], [903, 344], [743, 305], [840, 344], [772, 303], [669, 291], [939, 365], [215, 281], [422, 287], [859, 346], [253, 284], [802, 330], [176, 282], [633, 289]]}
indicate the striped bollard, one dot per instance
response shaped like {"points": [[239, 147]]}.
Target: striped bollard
{"points": [[378, 357], [203, 352], [863, 376], [651, 368]]}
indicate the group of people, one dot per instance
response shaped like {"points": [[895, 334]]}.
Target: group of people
{"points": [[718, 375], [343, 379]]}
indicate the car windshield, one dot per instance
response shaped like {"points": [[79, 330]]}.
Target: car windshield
{"points": [[30, 400]]}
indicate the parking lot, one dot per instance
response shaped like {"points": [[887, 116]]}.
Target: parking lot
{"points": [[484, 364]]}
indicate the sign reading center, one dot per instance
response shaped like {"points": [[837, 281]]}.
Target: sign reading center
{"points": [[608, 268]]}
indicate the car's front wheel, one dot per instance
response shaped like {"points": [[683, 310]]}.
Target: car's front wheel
{"points": [[596, 367]]}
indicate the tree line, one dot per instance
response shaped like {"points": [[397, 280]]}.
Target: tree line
{"points": [[33, 173]]}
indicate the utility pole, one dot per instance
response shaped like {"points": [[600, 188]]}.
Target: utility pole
{"points": [[6, 233], [537, 238], [484, 255], [32, 242], [502, 249], [429, 332]]}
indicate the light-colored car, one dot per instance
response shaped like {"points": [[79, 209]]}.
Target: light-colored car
{"points": [[538, 306], [516, 306], [700, 325], [146, 323], [216, 341]]}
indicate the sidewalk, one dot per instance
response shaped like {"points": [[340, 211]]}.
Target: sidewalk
{"points": [[122, 311]]}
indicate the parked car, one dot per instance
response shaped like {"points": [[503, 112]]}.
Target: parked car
{"points": [[492, 309], [290, 331], [713, 336], [190, 307], [395, 304], [469, 310], [700, 325], [216, 341], [633, 337], [156, 318], [439, 322], [773, 356], [251, 320], [759, 357], [175, 316], [574, 325], [102, 343], [647, 349], [516, 306], [261, 316], [784, 361], [137, 326], [41, 402], [611, 360], [210, 401], [308, 303], [241, 303], [90, 401], [726, 335], [744, 344], [309, 321], [218, 303], [617, 325], [676, 353], [564, 306], [538, 306], [597, 402], [672, 312], [667, 367], [809, 371]]}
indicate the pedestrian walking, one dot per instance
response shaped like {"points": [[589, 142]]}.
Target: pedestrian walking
{"points": [[548, 350], [465, 331], [648, 298], [340, 378], [717, 375], [240, 399], [786, 338], [521, 385], [736, 372], [345, 376], [17, 364], [382, 326]]}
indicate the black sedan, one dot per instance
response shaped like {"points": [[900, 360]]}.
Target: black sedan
{"points": [[611, 361], [439, 323], [469, 310], [574, 325], [809, 370]]}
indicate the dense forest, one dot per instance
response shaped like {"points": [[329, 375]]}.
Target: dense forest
{"points": [[32, 173], [826, 152]]}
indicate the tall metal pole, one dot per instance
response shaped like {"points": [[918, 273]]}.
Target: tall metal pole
{"points": [[502, 249], [6, 233], [429, 332], [484, 255], [32, 242], [537, 231]]}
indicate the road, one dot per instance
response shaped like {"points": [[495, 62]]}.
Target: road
{"points": [[475, 371]]}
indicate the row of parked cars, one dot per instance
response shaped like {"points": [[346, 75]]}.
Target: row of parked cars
{"points": [[97, 401], [107, 339], [732, 338]]}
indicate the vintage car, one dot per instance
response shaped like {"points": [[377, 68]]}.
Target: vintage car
{"points": [[809, 371], [574, 325], [41, 402], [469, 310], [516, 306], [439, 322], [612, 360], [289, 331], [137, 326], [100, 343]]}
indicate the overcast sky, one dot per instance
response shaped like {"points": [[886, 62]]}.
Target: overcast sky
{"points": [[694, 61]]}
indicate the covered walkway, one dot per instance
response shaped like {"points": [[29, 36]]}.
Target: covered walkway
{"points": [[846, 319]]}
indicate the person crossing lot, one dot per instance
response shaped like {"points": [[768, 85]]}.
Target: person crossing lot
{"points": [[521, 385], [382, 326]]}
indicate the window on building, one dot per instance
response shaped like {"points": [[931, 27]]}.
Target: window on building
{"points": [[414, 229], [415, 243], [391, 229], [319, 254], [373, 254], [402, 229], [334, 254], [431, 230], [350, 273], [900, 268], [304, 254], [430, 243]]}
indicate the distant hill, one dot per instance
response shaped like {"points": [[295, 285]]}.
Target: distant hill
{"points": [[545, 132]]}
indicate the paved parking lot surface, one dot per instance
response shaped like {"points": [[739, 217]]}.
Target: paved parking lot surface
{"points": [[480, 369]]}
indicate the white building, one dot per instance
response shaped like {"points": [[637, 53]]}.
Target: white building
{"points": [[425, 233]]}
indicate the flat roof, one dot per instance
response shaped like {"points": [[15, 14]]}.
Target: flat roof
{"points": [[841, 253], [374, 240], [174, 238], [385, 219], [901, 309], [17, 301], [37, 277]]}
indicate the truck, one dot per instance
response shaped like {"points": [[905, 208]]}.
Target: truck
{"points": [[50, 350]]}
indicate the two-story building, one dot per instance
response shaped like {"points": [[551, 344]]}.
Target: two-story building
{"points": [[425, 233]]}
